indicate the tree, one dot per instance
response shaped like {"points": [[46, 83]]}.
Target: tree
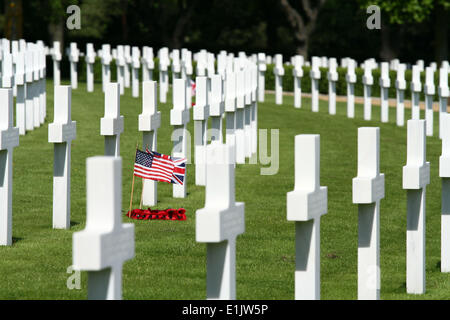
{"points": [[302, 27], [413, 12]]}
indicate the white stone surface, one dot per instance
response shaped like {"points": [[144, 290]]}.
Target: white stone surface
{"points": [[278, 71], [315, 77], [240, 119], [90, 60], [443, 95], [200, 116], [149, 123], [297, 72], [385, 83], [111, 125], [74, 56], [126, 67], [20, 101], [106, 243], [305, 205], [216, 108], [400, 86], [351, 80], [61, 133], [220, 222], [179, 117], [416, 176], [9, 139], [106, 59], [368, 190], [416, 88], [164, 63], [262, 68], [135, 66], [444, 173], [333, 77], [120, 63], [430, 91], [368, 82]]}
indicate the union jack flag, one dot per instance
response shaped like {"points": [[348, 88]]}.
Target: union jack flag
{"points": [[160, 167]]}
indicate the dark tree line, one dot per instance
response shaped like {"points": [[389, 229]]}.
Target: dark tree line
{"points": [[411, 29]]}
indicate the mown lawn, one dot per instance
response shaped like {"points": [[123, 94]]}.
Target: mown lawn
{"points": [[169, 264]]}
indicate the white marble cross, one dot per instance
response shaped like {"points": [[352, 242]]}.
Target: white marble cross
{"points": [[106, 61], [200, 116], [368, 190], [90, 60], [111, 125], [430, 91], [106, 243], [176, 64], [333, 77], [7, 70], [61, 133], [210, 67], [120, 62], [254, 109], [416, 176], [262, 68], [443, 95], [135, 66], [230, 108], [36, 94], [350, 77], [9, 139], [315, 77], [20, 101], [416, 88], [201, 63], [444, 173], [29, 96], [149, 122], [15, 53], [179, 117], [240, 118], [297, 72], [126, 67], [278, 71], [187, 71], [216, 108], [220, 222], [305, 205], [74, 55], [247, 111], [385, 83], [148, 64], [164, 63], [420, 65], [368, 82], [42, 82], [400, 85]]}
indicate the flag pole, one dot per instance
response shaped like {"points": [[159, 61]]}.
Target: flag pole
{"points": [[132, 185], [142, 192]]}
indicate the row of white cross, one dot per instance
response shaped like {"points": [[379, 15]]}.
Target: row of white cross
{"points": [[385, 83], [308, 202], [24, 69]]}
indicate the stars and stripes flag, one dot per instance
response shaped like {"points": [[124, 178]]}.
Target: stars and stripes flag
{"points": [[160, 167]]}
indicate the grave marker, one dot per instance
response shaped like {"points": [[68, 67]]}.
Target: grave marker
{"points": [[9, 139], [135, 66], [148, 64], [400, 85], [120, 62], [200, 115], [61, 133], [126, 67], [278, 71], [262, 68], [179, 117], [29, 102], [164, 63], [305, 205], [350, 77], [385, 83], [315, 76], [149, 122], [36, 100], [74, 55], [443, 95], [416, 88], [187, 74], [20, 101], [90, 60], [220, 222], [111, 125], [368, 82], [247, 111], [416, 176], [240, 120], [430, 91], [368, 190], [230, 108], [106, 62], [106, 243], [332, 79], [444, 173], [297, 72]]}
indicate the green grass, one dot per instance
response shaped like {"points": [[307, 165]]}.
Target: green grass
{"points": [[169, 264]]}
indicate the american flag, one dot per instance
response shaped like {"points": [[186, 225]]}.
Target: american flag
{"points": [[160, 167]]}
